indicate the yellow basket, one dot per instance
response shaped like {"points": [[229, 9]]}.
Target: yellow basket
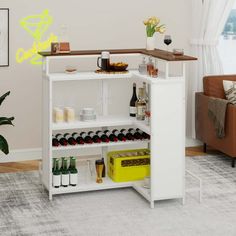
{"points": [[123, 168]]}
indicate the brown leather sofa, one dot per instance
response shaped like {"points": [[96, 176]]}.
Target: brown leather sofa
{"points": [[213, 87]]}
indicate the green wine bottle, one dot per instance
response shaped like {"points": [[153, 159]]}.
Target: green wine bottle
{"points": [[64, 174], [56, 177], [62, 159], [73, 172], [53, 164]]}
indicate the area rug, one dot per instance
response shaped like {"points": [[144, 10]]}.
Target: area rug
{"points": [[26, 210]]}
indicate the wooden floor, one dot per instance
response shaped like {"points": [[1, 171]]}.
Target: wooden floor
{"points": [[33, 165]]}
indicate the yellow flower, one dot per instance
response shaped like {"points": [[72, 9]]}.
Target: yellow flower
{"points": [[145, 22], [161, 29], [155, 20]]}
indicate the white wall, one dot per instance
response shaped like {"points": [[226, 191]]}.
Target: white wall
{"points": [[91, 25]]}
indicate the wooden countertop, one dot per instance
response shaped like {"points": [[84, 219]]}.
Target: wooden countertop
{"points": [[168, 56]]}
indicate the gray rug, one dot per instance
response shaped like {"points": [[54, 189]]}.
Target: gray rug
{"points": [[26, 210]]}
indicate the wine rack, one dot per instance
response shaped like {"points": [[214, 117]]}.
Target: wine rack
{"points": [[166, 129]]}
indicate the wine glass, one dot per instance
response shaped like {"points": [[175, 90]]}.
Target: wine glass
{"points": [[167, 41]]}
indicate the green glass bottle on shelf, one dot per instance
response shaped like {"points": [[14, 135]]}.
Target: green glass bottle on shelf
{"points": [[73, 172], [64, 174], [62, 159], [56, 174], [70, 166]]}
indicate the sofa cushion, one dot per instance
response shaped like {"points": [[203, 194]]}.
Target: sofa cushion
{"points": [[230, 90], [213, 85]]}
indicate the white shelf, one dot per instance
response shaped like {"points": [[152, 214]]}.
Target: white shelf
{"points": [[91, 185], [97, 145], [145, 192], [79, 76], [101, 121], [142, 125]]}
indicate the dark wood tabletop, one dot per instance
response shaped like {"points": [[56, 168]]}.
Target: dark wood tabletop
{"points": [[158, 53]]}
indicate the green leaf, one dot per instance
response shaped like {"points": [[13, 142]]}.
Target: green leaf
{"points": [[3, 97], [4, 145], [6, 120]]}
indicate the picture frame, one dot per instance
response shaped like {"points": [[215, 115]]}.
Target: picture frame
{"points": [[4, 37]]}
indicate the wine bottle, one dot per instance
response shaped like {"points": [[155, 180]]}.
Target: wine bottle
{"points": [[104, 169], [141, 105], [87, 139], [119, 135], [73, 172], [136, 134], [56, 175], [132, 107], [65, 174], [53, 164], [55, 142], [127, 134], [62, 159], [94, 137], [78, 138], [143, 134], [71, 140], [112, 137], [61, 139], [102, 136]]}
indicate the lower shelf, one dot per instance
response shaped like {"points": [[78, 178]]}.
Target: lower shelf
{"points": [[91, 185]]}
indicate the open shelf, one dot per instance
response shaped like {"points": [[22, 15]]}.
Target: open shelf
{"points": [[101, 121], [145, 192], [97, 145], [79, 76]]}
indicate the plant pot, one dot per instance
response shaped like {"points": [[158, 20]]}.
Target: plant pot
{"points": [[150, 43]]}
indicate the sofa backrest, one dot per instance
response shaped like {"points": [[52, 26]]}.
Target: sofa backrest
{"points": [[213, 85]]}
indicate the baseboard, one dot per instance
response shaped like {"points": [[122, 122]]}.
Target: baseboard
{"points": [[36, 153], [190, 142], [21, 155]]}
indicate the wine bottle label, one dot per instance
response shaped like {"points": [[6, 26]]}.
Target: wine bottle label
{"points": [[75, 136], [107, 132], [124, 132], [132, 131], [65, 179], [91, 134], [99, 134], [59, 136], [73, 178], [56, 180], [141, 110], [83, 135], [132, 110], [116, 133]]}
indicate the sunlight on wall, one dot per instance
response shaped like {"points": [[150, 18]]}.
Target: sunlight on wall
{"points": [[36, 26]]}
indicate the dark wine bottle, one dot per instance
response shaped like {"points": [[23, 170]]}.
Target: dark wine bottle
{"points": [[94, 137], [119, 135], [70, 139], [136, 134], [132, 107], [55, 142], [102, 136], [87, 139], [78, 138], [61, 139], [112, 137], [127, 134], [143, 134]]}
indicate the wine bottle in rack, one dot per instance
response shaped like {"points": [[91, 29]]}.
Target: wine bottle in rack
{"points": [[94, 137], [87, 139], [62, 159], [132, 106], [102, 136], [135, 134], [112, 137], [78, 138], [73, 172], [127, 134], [56, 175], [119, 135], [143, 134], [61, 139], [65, 178], [70, 139], [55, 142]]}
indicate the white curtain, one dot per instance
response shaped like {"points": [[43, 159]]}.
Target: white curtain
{"points": [[208, 20]]}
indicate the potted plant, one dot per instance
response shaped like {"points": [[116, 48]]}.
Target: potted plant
{"points": [[4, 121], [152, 26]]}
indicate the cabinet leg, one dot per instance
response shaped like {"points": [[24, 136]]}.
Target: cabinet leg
{"points": [[152, 204], [50, 197], [205, 147], [233, 163]]}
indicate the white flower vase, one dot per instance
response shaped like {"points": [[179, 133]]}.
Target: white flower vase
{"points": [[150, 44]]}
